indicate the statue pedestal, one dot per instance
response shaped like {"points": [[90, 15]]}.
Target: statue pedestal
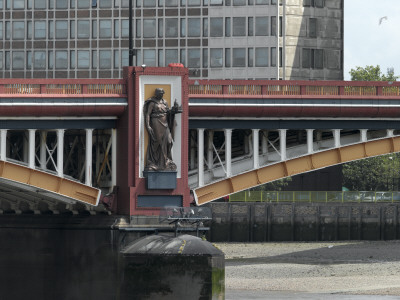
{"points": [[160, 180]]}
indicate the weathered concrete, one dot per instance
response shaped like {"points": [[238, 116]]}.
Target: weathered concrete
{"points": [[259, 222], [160, 267]]}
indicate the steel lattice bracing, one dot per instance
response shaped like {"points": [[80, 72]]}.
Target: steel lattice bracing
{"points": [[58, 143], [46, 165], [266, 162]]}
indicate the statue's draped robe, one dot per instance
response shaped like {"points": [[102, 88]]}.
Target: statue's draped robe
{"points": [[159, 155]]}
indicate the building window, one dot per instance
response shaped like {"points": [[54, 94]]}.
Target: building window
{"points": [[239, 26], [29, 29], [39, 60], [239, 2], [171, 27], [18, 32], [312, 29], [169, 3], [83, 59], [84, 3], [124, 58], [1, 30], [183, 27], [61, 30], [239, 57], [61, 59], [205, 58], [313, 58], [250, 57], [228, 57], [262, 2], [149, 57], [194, 27], [216, 27], [273, 26], [216, 58], [18, 62], [7, 60], [125, 28], [83, 31], [105, 29], [149, 3], [18, 4], [273, 57], [40, 4], [104, 3], [314, 3], [250, 26], [160, 28], [228, 26], [193, 2], [8, 30], [171, 56], [1, 60], [61, 4], [72, 59], [205, 27], [28, 60], [94, 59], [138, 28], [194, 58], [40, 29], [215, 2], [160, 58], [149, 28], [262, 57], [262, 26], [105, 59]]}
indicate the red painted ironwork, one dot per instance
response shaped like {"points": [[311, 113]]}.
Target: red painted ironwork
{"points": [[26, 87], [265, 88]]}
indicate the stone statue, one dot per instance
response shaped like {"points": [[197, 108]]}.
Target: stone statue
{"points": [[160, 122]]}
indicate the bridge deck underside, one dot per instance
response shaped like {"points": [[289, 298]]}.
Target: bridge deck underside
{"points": [[290, 167]]}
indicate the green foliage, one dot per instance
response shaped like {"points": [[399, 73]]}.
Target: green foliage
{"points": [[376, 173], [273, 186], [373, 174], [371, 73]]}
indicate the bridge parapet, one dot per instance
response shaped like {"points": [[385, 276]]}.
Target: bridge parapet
{"points": [[53, 87], [257, 88]]}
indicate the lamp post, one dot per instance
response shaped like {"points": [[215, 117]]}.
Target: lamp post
{"points": [[132, 51]]}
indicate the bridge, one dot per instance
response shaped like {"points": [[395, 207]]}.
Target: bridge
{"points": [[71, 143]]}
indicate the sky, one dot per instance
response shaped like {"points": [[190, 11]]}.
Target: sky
{"points": [[365, 41]]}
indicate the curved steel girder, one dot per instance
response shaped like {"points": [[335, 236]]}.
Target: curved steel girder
{"points": [[302, 164], [54, 187]]}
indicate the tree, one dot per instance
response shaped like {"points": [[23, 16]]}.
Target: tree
{"points": [[372, 174], [376, 173], [371, 73]]}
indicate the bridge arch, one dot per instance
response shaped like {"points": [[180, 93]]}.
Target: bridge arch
{"points": [[352, 147]]}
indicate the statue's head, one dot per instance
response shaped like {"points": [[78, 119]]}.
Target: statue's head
{"points": [[159, 93]]}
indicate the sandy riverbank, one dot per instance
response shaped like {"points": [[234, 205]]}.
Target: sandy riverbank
{"points": [[359, 267]]}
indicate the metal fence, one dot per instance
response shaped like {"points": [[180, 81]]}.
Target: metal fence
{"points": [[314, 196]]}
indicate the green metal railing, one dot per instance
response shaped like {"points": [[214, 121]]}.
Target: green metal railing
{"points": [[313, 196]]}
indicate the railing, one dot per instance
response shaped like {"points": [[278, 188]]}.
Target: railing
{"points": [[293, 88], [64, 87], [314, 196]]}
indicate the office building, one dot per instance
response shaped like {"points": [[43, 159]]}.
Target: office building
{"points": [[215, 39]]}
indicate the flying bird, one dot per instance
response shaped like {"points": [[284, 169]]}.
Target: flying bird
{"points": [[381, 19]]}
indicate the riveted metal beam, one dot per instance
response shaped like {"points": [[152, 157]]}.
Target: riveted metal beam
{"points": [[295, 166]]}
